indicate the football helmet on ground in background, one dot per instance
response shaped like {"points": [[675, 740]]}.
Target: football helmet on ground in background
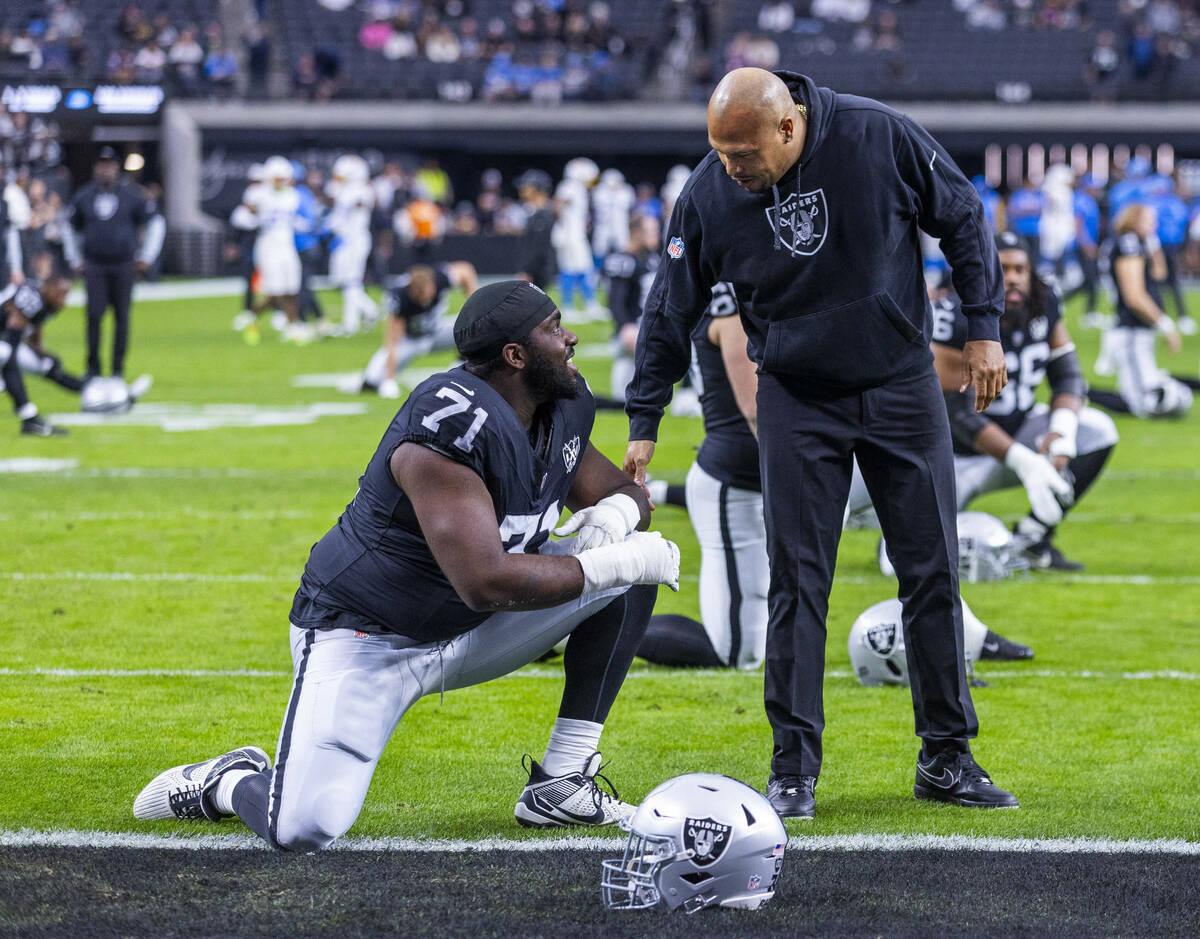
{"points": [[877, 644]]}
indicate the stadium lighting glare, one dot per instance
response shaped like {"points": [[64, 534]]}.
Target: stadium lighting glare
{"points": [[134, 163]]}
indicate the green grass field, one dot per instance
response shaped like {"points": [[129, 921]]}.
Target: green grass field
{"points": [[209, 530]]}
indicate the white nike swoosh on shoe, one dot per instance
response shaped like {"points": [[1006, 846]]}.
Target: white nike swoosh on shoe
{"points": [[991, 646]]}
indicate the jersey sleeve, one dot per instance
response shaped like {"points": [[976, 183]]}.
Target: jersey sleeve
{"points": [[440, 416], [441, 279], [395, 295], [949, 325], [724, 301], [1129, 245]]}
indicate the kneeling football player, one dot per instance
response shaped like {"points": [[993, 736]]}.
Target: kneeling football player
{"points": [[440, 574]]}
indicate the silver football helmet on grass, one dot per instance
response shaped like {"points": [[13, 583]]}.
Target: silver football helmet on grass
{"points": [[876, 644], [697, 840], [986, 549]]}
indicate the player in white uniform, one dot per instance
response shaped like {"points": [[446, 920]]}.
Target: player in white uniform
{"points": [[612, 200], [1056, 227], [274, 207], [676, 176], [350, 221], [570, 237]]}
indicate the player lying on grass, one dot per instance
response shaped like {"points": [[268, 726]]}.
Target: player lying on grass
{"points": [[440, 575]]}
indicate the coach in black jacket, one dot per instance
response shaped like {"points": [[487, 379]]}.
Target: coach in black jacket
{"points": [[810, 204]]}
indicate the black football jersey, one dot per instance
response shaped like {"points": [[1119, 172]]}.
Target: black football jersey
{"points": [[374, 571], [419, 317], [1026, 353], [108, 220], [27, 300], [1131, 244], [629, 279], [729, 452]]}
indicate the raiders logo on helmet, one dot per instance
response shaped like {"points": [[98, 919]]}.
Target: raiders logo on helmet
{"points": [[882, 638], [707, 837]]}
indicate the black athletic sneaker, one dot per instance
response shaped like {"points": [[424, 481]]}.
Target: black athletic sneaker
{"points": [[792, 796], [996, 646], [955, 777], [1044, 556], [36, 426]]}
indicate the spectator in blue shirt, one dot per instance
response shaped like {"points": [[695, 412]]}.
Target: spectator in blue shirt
{"points": [[1024, 214], [992, 205], [1172, 233]]}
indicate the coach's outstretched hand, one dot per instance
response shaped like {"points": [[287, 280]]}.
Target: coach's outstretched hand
{"points": [[984, 370], [645, 557]]}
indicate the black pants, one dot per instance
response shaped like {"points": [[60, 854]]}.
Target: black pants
{"points": [[1171, 256], [901, 437], [309, 307], [108, 283]]}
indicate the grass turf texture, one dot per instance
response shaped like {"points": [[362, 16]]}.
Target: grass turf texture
{"points": [[1105, 756]]}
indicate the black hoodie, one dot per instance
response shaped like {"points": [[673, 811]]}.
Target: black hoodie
{"points": [[826, 265]]}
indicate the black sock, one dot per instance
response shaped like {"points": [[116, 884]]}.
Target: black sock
{"points": [[1086, 467], [250, 799], [678, 641], [61, 377], [1109, 400], [677, 495], [599, 653]]}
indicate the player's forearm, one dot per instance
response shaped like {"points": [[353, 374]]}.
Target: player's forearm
{"points": [[524, 582], [993, 441]]}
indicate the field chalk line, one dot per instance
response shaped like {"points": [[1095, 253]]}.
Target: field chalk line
{"points": [[997, 673], [27, 838]]}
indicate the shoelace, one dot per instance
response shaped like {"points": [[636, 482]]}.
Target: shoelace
{"points": [[793, 784], [599, 796], [972, 770], [189, 798]]}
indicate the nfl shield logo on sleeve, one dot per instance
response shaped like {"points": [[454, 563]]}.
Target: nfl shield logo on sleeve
{"points": [[675, 248]]}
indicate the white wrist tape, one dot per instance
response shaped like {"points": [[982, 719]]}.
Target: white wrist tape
{"points": [[627, 507], [643, 558], [1166, 325], [1065, 423]]}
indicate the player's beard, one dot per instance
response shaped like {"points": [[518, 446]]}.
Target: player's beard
{"points": [[1016, 315], [549, 379]]}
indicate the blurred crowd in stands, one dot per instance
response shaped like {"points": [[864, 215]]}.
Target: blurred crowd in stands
{"points": [[571, 50]]}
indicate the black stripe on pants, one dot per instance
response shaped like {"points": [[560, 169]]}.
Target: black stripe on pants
{"points": [[731, 576], [108, 283], [285, 742]]}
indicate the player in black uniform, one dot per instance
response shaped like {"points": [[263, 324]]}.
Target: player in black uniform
{"points": [[1056, 453], [107, 214], [1143, 389], [416, 326], [23, 310], [629, 274], [440, 575]]}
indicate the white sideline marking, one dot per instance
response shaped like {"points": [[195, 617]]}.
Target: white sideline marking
{"points": [[1044, 577], [1148, 675], [192, 472], [27, 838], [35, 464], [183, 417]]}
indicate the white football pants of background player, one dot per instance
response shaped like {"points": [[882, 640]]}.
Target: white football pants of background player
{"points": [[1146, 389], [347, 269], [439, 339], [976, 474], [350, 690], [734, 572]]}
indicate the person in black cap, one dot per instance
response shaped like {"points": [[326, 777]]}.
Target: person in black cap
{"points": [[102, 243], [537, 262], [440, 574]]}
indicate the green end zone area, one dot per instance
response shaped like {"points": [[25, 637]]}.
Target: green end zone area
{"points": [[175, 553]]}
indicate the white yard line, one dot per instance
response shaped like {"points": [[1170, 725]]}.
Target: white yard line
{"points": [[28, 838], [188, 577], [183, 512], [636, 674]]}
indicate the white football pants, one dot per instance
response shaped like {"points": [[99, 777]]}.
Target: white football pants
{"points": [[976, 474], [407, 349], [350, 690], [734, 572], [1148, 390]]}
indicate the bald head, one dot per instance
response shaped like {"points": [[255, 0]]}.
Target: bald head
{"points": [[755, 127]]}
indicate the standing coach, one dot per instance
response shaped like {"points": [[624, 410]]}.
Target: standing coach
{"points": [[815, 223], [106, 215]]}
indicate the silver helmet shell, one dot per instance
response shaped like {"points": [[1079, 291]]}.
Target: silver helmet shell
{"points": [[876, 644], [697, 840]]}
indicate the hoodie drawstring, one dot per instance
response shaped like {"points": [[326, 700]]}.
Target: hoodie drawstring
{"points": [[778, 226]]}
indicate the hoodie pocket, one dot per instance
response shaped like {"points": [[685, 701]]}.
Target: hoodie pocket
{"points": [[855, 345]]}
